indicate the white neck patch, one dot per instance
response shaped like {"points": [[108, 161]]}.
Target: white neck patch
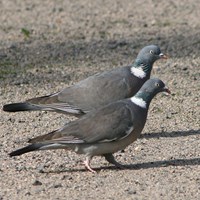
{"points": [[139, 101], [138, 71]]}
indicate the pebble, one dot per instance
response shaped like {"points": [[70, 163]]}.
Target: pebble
{"points": [[36, 183]]}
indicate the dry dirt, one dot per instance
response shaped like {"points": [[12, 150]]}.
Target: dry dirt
{"points": [[47, 45]]}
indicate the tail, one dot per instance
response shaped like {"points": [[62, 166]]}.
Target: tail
{"points": [[16, 107], [37, 147], [45, 103], [29, 148]]}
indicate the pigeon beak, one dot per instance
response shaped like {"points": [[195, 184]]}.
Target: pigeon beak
{"points": [[163, 56], [165, 89]]}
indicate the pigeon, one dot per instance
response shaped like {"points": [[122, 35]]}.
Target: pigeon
{"points": [[97, 90], [103, 131]]}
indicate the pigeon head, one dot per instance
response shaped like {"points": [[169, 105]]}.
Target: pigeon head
{"points": [[153, 86], [144, 62], [147, 92], [149, 54]]}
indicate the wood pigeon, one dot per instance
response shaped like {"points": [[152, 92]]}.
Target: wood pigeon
{"points": [[97, 90], [103, 131]]}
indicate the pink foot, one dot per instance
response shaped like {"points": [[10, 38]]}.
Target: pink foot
{"points": [[87, 165]]}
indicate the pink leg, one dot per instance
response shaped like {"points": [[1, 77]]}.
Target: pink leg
{"points": [[87, 164]]}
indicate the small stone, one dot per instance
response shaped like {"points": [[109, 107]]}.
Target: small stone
{"points": [[57, 185], [131, 192], [138, 148], [28, 194], [169, 116], [66, 177], [40, 169], [36, 182]]}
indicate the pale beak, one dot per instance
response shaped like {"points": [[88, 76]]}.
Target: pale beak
{"points": [[165, 89], [163, 56]]}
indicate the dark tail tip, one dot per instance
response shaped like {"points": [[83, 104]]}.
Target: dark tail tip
{"points": [[26, 149], [16, 107]]}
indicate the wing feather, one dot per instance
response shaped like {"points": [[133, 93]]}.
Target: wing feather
{"points": [[107, 124]]}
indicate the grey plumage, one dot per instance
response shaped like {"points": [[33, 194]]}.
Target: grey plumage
{"points": [[102, 131], [97, 90]]}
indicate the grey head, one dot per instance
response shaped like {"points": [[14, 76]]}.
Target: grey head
{"points": [[147, 56], [147, 92]]}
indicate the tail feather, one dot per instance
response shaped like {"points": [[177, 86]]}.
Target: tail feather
{"points": [[28, 106], [37, 147], [16, 107], [29, 148], [48, 99]]}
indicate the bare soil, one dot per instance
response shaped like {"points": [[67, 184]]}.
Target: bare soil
{"points": [[48, 45]]}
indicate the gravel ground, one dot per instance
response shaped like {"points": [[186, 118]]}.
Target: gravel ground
{"points": [[47, 45]]}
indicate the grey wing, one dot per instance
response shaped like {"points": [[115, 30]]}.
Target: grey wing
{"points": [[96, 91], [111, 123], [52, 102], [105, 125], [88, 94]]}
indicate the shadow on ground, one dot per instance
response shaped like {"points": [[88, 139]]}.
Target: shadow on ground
{"points": [[144, 165], [170, 134], [35, 52], [19, 57]]}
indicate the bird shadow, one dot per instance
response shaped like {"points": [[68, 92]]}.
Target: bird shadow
{"points": [[147, 165], [143, 165], [170, 134]]}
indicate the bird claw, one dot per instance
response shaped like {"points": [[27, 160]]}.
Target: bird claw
{"points": [[87, 165]]}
